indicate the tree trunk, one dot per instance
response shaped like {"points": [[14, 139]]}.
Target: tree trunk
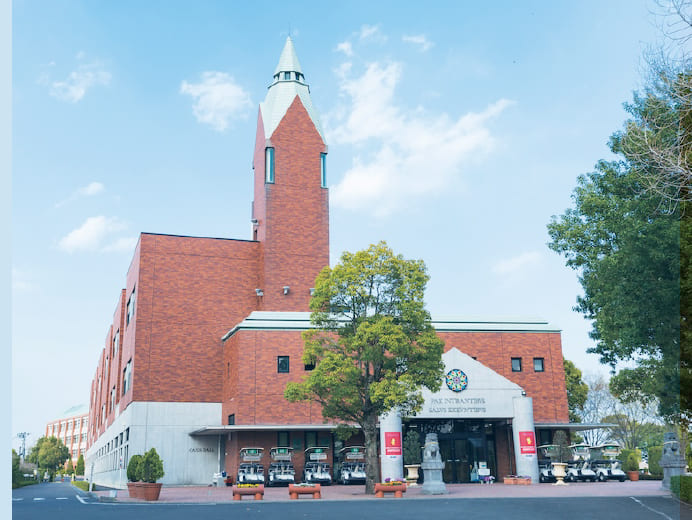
{"points": [[372, 468]]}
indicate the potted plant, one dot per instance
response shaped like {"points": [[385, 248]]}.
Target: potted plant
{"points": [[412, 456], [134, 476], [151, 470], [631, 466]]}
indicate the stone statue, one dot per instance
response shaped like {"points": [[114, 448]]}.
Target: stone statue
{"points": [[432, 467], [672, 460]]}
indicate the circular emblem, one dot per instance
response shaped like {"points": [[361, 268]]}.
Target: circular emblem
{"points": [[456, 380]]}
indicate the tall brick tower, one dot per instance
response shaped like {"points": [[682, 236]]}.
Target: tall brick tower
{"points": [[290, 212]]}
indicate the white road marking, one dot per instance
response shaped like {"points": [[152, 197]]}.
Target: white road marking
{"points": [[38, 498], [651, 509], [17, 499], [81, 499], [61, 498]]}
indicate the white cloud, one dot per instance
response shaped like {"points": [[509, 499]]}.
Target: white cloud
{"points": [[93, 188], [372, 32], [91, 235], [419, 39], [345, 47], [405, 154], [217, 99], [516, 264], [79, 81]]}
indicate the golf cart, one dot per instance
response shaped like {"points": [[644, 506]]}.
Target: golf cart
{"points": [[352, 469], [250, 470], [545, 469], [281, 469], [580, 467], [604, 463], [316, 469]]}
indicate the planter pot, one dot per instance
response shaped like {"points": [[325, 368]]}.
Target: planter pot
{"points": [[397, 489], [559, 471], [254, 491], [633, 475], [412, 474], [295, 491], [133, 489], [150, 490], [517, 481]]}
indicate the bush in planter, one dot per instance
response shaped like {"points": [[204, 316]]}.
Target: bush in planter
{"points": [[134, 472], [655, 468], [631, 463], [412, 448], [151, 468]]}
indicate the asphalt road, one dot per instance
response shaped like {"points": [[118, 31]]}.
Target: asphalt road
{"points": [[56, 501]]}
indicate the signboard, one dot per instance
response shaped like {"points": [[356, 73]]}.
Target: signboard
{"points": [[392, 443], [318, 456], [527, 443]]}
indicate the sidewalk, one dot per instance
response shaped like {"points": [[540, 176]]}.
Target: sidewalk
{"points": [[199, 494]]}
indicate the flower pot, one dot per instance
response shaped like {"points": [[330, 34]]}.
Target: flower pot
{"points": [[633, 475], [150, 490], [133, 489], [559, 472]]}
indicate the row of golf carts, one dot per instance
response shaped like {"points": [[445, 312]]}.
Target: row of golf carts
{"points": [[589, 463], [316, 469]]}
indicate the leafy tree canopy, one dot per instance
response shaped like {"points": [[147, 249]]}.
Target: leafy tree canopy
{"points": [[49, 453], [577, 390], [372, 344]]}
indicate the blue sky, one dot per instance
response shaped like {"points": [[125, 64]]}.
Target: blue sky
{"points": [[455, 131]]}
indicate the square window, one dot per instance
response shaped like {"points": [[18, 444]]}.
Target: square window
{"points": [[282, 364], [538, 364], [516, 364]]}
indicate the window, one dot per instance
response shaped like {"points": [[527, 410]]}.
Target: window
{"points": [[323, 169], [231, 419], [113, 398], [269, 165], [538, 364], [308, 367], [283, 439], [282, 364], [116, 343], [127, 434], [310, 439], [130, 307], [516, 364], [127, 377], [287, 75]]}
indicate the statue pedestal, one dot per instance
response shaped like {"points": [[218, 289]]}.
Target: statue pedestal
{"points": [[672, 461], [432, 467]]}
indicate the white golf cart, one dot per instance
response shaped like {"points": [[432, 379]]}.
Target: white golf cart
{"points": [[317, 469], [352, 469], [604, 463], [281, 470], [547, 452], [580, 467], [250, 470]]}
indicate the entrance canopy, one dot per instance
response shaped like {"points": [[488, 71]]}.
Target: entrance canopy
{"points": [[470, 390]]}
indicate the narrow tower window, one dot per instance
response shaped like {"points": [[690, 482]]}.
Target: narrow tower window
{"points": [[269, 164], [323, 169]]}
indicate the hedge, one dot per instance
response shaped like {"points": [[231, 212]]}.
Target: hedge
{"points": [[655, 453], [681, 487]]}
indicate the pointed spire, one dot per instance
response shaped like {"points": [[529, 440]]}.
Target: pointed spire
{"points": [[288, 62]]}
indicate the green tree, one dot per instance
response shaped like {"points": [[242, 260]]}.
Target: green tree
{"points": [[69, 470], [79, 470], [49, 453], [134, 473], [412, 447], [372, 344], [577, 390], [151, 466], [16, 472]]}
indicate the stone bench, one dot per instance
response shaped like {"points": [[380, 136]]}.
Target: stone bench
{"points": [[294, 491], [240, 492], [397, 489]]}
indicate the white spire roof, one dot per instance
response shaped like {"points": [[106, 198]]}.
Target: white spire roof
{"points": [[288, 83], [289, 59]]}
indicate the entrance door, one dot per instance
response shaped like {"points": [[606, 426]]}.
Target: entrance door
{"points": [[456, 454]]}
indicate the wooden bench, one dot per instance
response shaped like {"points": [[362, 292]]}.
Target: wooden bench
{"points": [[294, 491], [240, 492], [397, 489]]}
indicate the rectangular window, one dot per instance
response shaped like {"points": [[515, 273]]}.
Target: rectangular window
{"points": [[231, 419], [283, 440], [269, 165], [538, 364], [516, 364], [282, 364], [130, 307], [310, 439], [127, 377], [116, 343], [323, 169], [287, 75]]}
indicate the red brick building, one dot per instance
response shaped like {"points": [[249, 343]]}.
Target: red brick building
{"points": [[207, 330], [71, 428]]}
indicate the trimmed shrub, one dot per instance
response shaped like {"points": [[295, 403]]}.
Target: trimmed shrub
{"points": [[412, 447], [681, 487], [134, 471], [627, 464], [655, 453], [152, 466]]}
